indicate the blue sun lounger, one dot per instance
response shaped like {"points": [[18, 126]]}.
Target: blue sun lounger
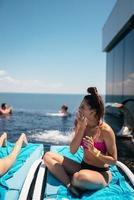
{"points": [[12, 182], [118, 189]]}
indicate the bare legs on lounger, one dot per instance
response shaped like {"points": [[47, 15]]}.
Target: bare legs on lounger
{"points": [[7, 162], [71, 175]]}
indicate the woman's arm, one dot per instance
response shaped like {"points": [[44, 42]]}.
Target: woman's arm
{"points": [[76, 141], [109, 139], [80, 125]]}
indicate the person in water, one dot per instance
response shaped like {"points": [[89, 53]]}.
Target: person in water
{"points": [[7, 162], [5, 109], [98, 141], [64, 110]]}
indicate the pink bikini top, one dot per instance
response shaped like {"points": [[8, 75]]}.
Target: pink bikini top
{"points": [[101, 146]]}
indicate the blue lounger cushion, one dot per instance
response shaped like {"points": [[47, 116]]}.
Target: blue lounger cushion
{"points": [[11, 183], [118, 189]]}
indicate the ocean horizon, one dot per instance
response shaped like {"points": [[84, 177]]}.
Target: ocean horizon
{"points": [[37, 116]]}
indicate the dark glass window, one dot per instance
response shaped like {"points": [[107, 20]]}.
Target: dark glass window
{"points": [[129, 64], [109, 76], [120, 70]]}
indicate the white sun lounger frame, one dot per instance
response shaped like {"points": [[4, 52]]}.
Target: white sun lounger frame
{"points": [[40, 178], [127, 171], [28, 180]]}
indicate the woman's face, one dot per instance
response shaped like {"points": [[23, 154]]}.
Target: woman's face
{"points": [[86, 111]]}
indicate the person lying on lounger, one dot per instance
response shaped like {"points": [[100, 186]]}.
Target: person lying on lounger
{"points": [[5, 109], [7, 162], [99, 146]]}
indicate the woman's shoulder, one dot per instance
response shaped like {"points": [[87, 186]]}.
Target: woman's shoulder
{"points": [[108, 134], [106, 129], [6, 111]]}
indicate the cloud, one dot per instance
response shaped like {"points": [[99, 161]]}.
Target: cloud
{"points": [[127, 84], [11, 84], [2, 73], [129, 81]]}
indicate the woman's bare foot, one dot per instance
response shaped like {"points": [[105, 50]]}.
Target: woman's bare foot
{"points": [[4, 138], [24, 138]]}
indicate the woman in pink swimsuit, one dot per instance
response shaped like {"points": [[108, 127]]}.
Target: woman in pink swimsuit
{"points": [[98, 142]]}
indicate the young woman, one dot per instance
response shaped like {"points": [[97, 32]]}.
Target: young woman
{"points": [[7, 162], [98, 141]]}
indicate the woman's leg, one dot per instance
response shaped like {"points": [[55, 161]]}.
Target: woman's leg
{"points": [[3, 139], [7, 162], [61, 167], [89, 179]]}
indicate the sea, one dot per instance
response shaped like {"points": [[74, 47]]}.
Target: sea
{"points": [[37, 115]]}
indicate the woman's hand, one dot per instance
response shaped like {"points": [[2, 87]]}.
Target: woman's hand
{"points": [[81, 121], [79, 129], [88, 143]]}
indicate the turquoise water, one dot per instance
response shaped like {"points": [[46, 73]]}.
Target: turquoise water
{"points": [[35, 114]]}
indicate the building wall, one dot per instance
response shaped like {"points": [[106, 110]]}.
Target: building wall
{"points": [[120, 70], [118, 43], [117, 20]]}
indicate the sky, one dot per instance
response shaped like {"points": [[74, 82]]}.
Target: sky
{"points": [[52, 46]]}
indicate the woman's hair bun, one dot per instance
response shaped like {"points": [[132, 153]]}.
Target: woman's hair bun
{"points": [[92, 90]]}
